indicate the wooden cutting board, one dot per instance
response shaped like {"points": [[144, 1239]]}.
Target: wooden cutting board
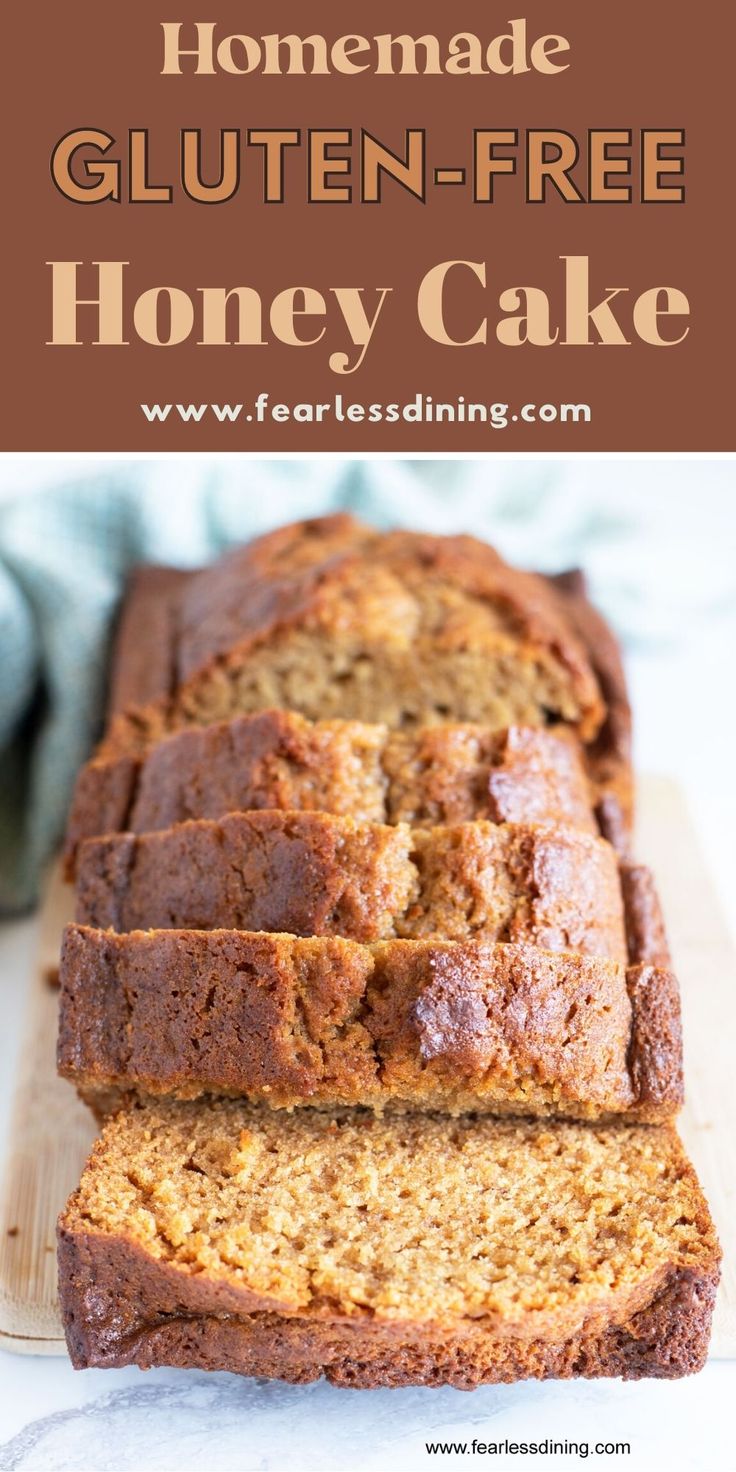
{"points": [[53, 1131]]}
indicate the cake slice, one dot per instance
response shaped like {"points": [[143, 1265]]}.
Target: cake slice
{"points": [[418, 1251], [333, 619], [314, 874], [278, 759], [396, 1025]]}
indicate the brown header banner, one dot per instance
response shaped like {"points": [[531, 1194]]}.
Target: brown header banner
{"points": [[452, 228]]}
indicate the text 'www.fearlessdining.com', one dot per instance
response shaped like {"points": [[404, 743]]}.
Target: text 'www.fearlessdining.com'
{"points": [[419, 409], [547, 1447]]}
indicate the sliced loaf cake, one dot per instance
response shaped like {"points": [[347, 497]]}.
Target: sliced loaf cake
{"points": [[277, 759], [400, 1024], [314, 874]]}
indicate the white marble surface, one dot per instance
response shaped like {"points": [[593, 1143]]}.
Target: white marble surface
{"points": [[167, 1421], [659, 541]]}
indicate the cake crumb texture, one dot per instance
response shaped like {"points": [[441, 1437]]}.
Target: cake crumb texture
{"points": [[425, 1225], [332, 619]]}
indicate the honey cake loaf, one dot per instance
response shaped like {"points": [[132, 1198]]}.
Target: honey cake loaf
{"points": [[278, 759], [411, 1251], [455, 1026], [333, 619], [314, 874]]}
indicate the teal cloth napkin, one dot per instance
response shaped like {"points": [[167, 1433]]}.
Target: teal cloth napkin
{"points": [[64, 556]]}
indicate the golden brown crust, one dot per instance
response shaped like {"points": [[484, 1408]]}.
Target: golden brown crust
{"points": [[656, 1039], [314, 874], [217, 1236], [277, 759], [645, 928], [399, 1024], [609, 755], [120, 1309], [102, 801], [389, 601], [142, 665]]}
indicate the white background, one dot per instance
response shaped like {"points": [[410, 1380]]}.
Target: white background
{"points": [[658, 539]]}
